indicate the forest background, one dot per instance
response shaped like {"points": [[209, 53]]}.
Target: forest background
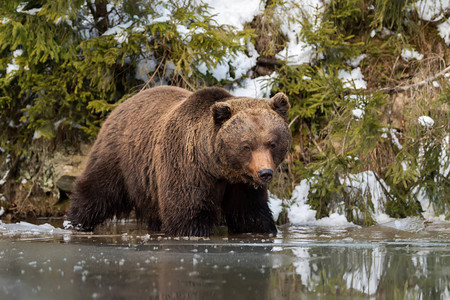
{"points": [[368, 82]]}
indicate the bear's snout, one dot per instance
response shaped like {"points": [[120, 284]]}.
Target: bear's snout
{"points": [[266, 175], [261, 166]]}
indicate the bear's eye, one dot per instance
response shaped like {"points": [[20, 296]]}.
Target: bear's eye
{"points": [[273, 145], [246, 148]]}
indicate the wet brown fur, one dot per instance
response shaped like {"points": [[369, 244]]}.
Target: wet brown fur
{"points": [[176, 158]]}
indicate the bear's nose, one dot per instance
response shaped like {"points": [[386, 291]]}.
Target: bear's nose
{"points": [[265, 175]]}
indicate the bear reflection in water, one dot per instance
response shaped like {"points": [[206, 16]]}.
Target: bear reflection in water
{"points": [[185, 162]]}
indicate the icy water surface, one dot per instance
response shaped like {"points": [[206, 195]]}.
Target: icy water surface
{"points": [[120, 262]]}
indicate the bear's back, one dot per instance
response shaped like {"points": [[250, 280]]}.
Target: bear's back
{"points": [[155, 101]]}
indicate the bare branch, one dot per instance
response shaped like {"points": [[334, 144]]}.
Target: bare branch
{"points": [[403, 88]]}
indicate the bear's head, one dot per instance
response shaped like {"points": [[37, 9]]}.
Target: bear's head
{"points": [[252, 137]]}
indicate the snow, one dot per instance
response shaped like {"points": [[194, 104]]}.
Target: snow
{"points": [[144, 68], [367, 183], [444, 169], [275, 205], [358, 113], [300, 213], [241, 64], [37, 134], [428, 10], [297, 51], [395, 139], [428, 210], [444, 159], [426, 121], [234, 12], [356, 61], [32, 11], [3, 180], [121, 35], [254, 87], [353, 79], [334, 219], [444, 31], [10, 68], [28, 229], [2, 211], [163, 12], [13, 66], [67, 224], [409, 54]]}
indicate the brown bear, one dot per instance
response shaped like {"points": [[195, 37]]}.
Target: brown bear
{"points": [[185, 162]]}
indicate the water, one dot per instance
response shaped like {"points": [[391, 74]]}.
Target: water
{"points": [[119, 261]]}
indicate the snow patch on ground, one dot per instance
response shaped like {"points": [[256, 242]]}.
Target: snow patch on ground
{"points": [[300, 213], [428, 211], [275, 205], [367, 183]]}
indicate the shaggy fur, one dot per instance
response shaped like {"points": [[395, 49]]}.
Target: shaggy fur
{"points": [[184, 162]]}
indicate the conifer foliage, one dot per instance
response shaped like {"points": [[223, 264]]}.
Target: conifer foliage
{"points": [[67, 63]]}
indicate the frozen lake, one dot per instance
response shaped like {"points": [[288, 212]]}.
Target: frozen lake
{"points": [[119, 261]]}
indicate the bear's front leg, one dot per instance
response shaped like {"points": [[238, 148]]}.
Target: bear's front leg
{"points": [[246, 210], [188, 211]]}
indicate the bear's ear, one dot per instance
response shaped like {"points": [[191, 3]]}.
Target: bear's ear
{"points": [[280, 104], [221, 112]]}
